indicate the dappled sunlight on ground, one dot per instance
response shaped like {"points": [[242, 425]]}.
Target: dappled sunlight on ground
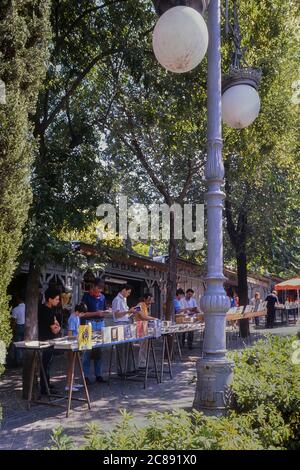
{"points": [[23, 429]]}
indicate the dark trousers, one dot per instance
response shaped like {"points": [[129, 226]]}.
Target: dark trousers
{"points": [[47, 358], [190, 338], [123, 350], [19, 336], [270, 318]]}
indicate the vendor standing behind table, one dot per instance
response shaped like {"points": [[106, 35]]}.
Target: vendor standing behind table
{"points": [[96, 306], [178, 303], [179, 306], [255, 302], [18, 317], [271, 299], [122, 315], [48, 329], [190, 302], [143, 315]]}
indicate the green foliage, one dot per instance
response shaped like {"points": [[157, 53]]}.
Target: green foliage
{"points": [[266, 377], [60, 441], [262, 177], [156, 128], [24, 31], [70, 177], [181, 430], [266, 387]]}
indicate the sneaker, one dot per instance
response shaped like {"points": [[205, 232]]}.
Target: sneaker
{"points": [[79, 386], [74, 389]]}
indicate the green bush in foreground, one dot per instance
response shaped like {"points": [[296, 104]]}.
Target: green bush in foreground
{"points": [[266, 376], [266, 414]]}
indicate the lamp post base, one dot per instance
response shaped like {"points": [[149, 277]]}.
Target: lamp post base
{"points": [[213, 393]]}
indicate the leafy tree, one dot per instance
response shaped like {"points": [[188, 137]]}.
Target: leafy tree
{"points": [[155, 129], [77, 107], [262, 181], [24, 33], [104, 85], [69, 178]]}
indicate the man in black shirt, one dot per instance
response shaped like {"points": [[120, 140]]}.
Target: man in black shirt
{"points": [[48, 329], [271, 299]]}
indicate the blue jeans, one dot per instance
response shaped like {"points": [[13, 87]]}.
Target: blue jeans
{"points": [[86, 362], [19, 336]]}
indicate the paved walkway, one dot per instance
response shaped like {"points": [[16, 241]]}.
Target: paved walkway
{"points": [[22, 429]]}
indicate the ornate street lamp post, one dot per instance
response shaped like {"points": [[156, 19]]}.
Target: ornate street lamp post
{"points": [[214, 369]]}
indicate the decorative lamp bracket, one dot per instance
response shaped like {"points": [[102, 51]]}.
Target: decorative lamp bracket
{"points": [[161, 6], [242, 76]]}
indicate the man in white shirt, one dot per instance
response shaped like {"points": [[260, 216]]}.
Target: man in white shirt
{"points": [[120, 309], [121, 315], [190, 302], [18, 326]]}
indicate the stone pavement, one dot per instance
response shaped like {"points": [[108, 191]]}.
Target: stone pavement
{"points": [[23, 429]]}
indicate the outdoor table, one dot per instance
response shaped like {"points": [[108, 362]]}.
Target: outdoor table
{"points": [[73, 346], [129, 350], [240, 316], [37, 365], [285, 314], [174, 331], [165, 349]]}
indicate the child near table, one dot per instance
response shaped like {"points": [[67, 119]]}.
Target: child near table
{"points": [[73, 325]]}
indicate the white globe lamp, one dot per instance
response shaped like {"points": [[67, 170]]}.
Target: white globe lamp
{"points": [[180, 39], [240, 99], [240, 106]]}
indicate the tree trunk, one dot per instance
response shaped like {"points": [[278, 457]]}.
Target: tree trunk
{"points": [[31, 322], [238, 237], [241, 259], [172, 274]]}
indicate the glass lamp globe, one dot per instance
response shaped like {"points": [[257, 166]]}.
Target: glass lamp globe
{"points": [[240, 106], [180, 39]]}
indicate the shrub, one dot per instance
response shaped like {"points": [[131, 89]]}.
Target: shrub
{"points": [[266, 378], [266, 391], [24, 34]]}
